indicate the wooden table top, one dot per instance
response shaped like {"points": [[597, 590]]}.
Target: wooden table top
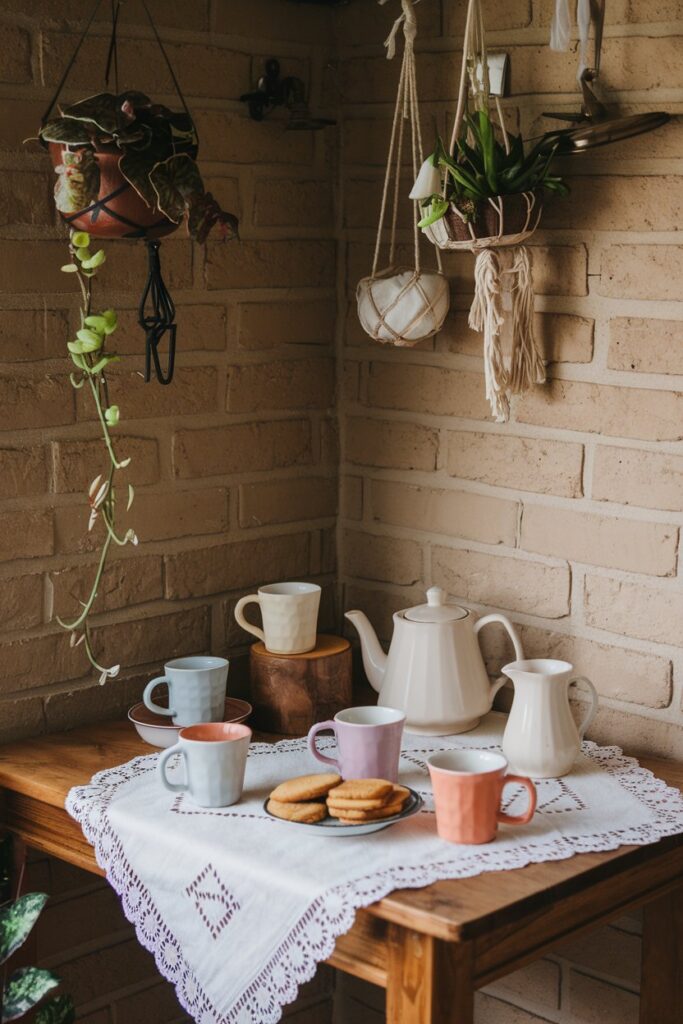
{"points": [[41, 771]]}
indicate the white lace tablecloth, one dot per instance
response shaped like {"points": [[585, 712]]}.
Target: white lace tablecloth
{"points": [[239, 909]]}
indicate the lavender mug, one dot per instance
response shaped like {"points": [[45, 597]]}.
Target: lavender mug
{"points": [[368, 742]]}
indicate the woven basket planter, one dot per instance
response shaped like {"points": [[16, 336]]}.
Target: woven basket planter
{"points": [[401, 306], [504, 220]]}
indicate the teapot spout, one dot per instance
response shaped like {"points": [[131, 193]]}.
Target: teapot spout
{"points": [[374, 658]]}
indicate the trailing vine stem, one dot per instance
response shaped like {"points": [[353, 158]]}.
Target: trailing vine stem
{"points": [[89, 355]]}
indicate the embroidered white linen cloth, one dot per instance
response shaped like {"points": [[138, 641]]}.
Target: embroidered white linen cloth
{"points": [[239, 909]]}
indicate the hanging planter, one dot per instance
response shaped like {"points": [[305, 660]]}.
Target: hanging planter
{"points": [[488, 197], [126, 169], [402, 305]]}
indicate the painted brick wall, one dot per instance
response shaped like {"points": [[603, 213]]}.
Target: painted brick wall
{"points": [[567, 518]]}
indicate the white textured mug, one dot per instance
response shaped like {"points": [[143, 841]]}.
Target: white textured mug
{"points": [[290, 616], [196, 690], [215, 756]]}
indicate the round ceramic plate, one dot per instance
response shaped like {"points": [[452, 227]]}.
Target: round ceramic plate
{"points": [[332, 827], [159, 731]]}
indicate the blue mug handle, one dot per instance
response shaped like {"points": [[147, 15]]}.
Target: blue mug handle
{"points": [[149, 703]]}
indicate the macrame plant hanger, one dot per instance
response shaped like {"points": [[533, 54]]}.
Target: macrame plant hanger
{"points": [[156, 311], [453, 232], [401, 305]]}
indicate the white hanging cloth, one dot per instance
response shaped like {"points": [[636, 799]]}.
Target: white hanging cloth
{"points": [[561, 28], [402, 305]]}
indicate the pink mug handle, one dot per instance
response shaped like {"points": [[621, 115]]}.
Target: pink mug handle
{"points": [[519, 819], [312, 733]]}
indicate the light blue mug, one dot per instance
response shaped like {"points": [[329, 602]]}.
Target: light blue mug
{"points": [[196, 690]]}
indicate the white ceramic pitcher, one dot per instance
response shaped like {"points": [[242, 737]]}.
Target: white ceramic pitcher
{"points": [[541, 738]]}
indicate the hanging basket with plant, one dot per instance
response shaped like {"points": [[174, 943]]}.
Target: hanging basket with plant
{"points": [[484, 194], [126, 168]]}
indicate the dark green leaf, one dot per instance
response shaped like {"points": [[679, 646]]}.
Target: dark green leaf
{"points": [[17, 920], [437, 208], [176, 181], [135, 166], [59, 1010], [25, 988], [103, 110], [67, 131]]}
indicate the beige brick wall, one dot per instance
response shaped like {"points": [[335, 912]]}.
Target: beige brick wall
{"points": [[567, 518], [234, 465]]}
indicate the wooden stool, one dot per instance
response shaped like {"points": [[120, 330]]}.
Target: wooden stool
{"points": [[291, 692]]}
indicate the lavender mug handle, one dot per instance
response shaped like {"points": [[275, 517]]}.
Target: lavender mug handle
{"points": [[312, 733]]}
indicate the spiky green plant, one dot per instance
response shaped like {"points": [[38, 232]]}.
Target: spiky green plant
{"points": [[483, 168]]}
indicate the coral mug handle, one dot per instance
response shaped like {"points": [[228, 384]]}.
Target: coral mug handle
{"points": [[519, 819], [312, 733]]}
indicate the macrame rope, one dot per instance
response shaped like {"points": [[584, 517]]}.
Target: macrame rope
{"points": [[526, 365], [486, 315], [406, 109]]}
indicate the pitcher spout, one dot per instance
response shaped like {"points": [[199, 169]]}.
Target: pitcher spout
{"points": [[374, 658]]}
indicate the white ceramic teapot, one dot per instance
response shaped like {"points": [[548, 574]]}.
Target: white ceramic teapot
{"points": [[434, 671]]}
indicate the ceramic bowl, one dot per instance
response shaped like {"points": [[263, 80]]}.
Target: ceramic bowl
{"points": [[161, 732]]}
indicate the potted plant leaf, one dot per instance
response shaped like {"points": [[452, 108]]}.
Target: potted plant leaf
{"points": [[126, 169], [25, 988], [493, 190]]}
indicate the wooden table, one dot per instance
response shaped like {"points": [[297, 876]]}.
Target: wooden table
{"points": [[430, 948]]}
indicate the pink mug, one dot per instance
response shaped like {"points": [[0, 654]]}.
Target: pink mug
{"points": [[368, 742], [468, 787]]}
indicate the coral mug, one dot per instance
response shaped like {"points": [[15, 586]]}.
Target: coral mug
{"points": [[468, 788]]}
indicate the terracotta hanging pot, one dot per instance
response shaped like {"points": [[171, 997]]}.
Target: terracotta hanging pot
{"points": [[112, 207]]}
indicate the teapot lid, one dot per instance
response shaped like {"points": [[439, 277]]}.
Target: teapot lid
{"points": [[437, 609]]}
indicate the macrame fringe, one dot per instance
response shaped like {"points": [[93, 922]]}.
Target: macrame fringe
{"points": [[527, 366], [486, 315]]}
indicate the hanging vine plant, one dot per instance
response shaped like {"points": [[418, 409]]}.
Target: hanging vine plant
{"points": [[90, 354]]}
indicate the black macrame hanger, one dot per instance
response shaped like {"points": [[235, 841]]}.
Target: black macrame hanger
{"points": [[156, 312]]}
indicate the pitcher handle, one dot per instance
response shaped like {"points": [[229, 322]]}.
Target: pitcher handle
{"points": [[592, 711], [514, 636]]}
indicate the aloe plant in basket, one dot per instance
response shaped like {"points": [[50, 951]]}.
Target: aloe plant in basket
{"points": [[485, 176], [25, 988]]}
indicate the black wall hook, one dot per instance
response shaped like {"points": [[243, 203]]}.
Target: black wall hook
{"points": [[273, 91]]}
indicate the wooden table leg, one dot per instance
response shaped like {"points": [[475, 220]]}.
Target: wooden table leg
{"points": [[428, 981], [661, 990]]}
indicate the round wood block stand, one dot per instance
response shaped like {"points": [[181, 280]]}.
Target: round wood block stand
{"points": [[291, 692]]}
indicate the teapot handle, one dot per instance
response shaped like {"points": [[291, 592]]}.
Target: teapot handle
{"points": [[514, 636]]}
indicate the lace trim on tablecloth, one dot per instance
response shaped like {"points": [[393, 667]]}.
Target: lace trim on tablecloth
{"points": [[313, 938]]}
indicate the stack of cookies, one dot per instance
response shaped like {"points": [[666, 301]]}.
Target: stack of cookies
{"points": [[311, 798]]}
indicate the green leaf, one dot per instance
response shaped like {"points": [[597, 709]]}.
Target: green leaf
{"points": [[69, 268], [175, 182], [111, 415], [97, 323], [17, 920], [59, 1010], [79, 360], [26, 987], [95, 261], [91, 340], [111, 320], [76, 347], [104, 361], [66, 131], [437, 208], [80, 239], [102, 110], [131, 496], [83, 254]]}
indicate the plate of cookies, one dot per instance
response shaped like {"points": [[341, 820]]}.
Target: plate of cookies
{"points": [[326, 805]]}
